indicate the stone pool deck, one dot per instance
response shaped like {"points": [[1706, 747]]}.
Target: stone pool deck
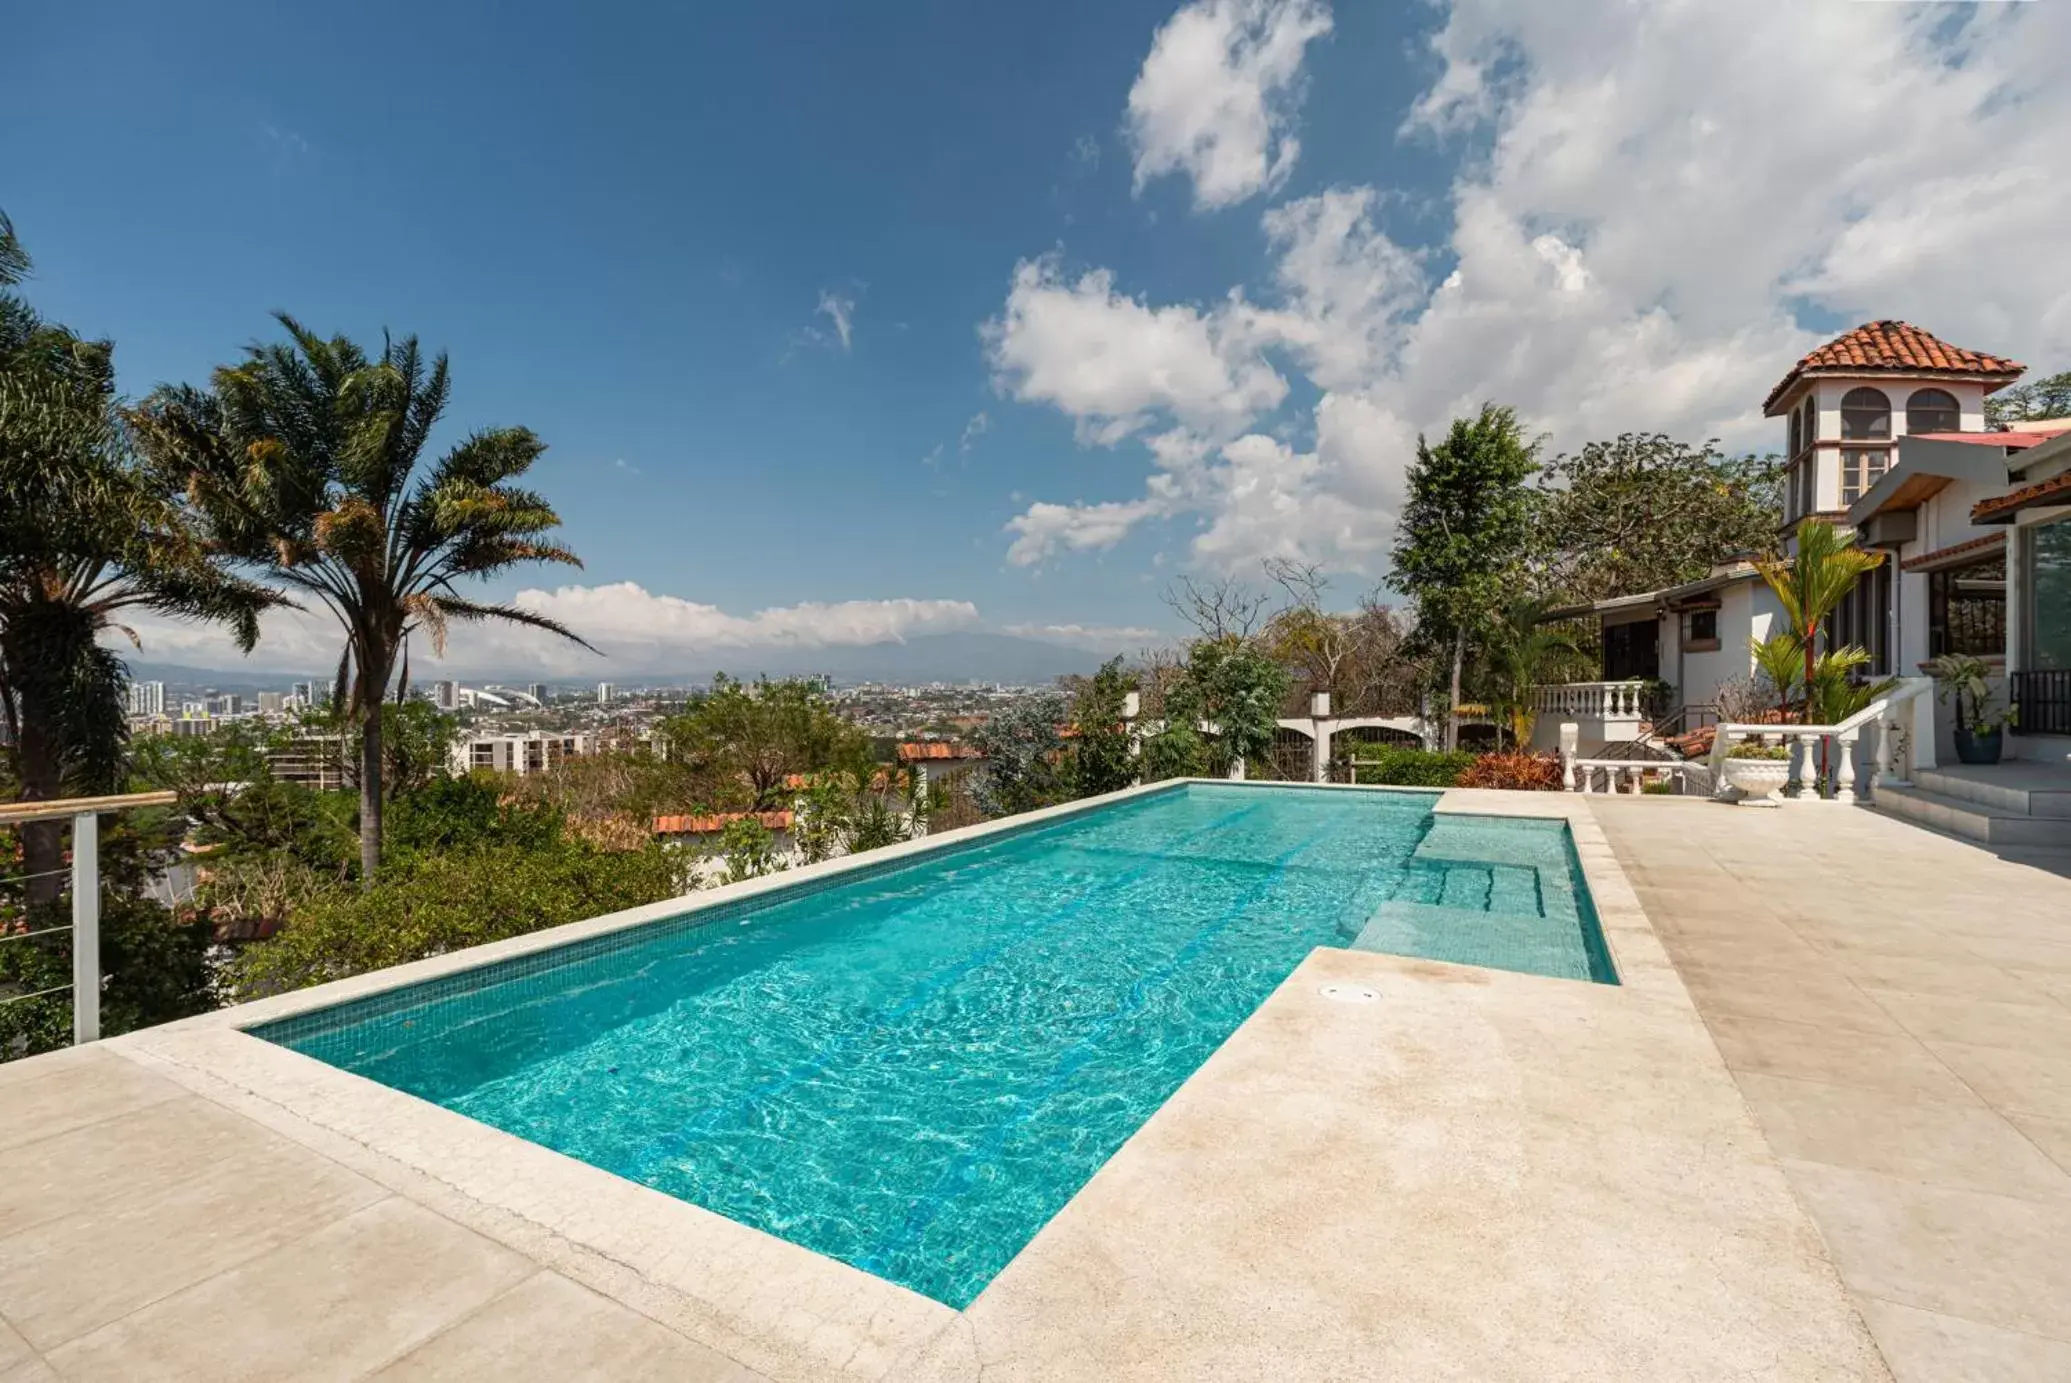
{"points": [[1479, 1175]]}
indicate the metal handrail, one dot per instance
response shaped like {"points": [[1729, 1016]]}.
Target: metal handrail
{"points": [[85, 814], [58, 809]]}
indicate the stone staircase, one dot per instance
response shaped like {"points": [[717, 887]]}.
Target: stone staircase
{"points": [[2019, 804]]}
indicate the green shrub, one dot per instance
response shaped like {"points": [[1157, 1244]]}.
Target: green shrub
{"points": [[1397, 766], [430, 904], [156, 966]]}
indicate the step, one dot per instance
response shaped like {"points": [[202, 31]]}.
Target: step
{"points": [[1969, 818], [2006, 796]]}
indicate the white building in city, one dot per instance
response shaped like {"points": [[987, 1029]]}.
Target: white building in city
{"points": [[533, 752], [147, 698], [605, 692]]}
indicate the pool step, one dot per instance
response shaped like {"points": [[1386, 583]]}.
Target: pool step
{"points": [[1510, 889]]}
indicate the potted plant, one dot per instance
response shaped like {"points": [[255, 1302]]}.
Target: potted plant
{"points": [[1757, 771], [1978, 722]]}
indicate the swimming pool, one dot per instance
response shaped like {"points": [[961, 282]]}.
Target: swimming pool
{"points": [[911, 1067]]}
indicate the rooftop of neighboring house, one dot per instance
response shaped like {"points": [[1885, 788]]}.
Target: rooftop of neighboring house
{"points": [[712, 823], [931, 750], [1896, 348]]}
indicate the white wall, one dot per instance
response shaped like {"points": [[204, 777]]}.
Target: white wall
{"points": [[1827, 395], [1748, 612]]}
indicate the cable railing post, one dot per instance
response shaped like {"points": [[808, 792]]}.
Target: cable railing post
{"points": [[86, 928]]}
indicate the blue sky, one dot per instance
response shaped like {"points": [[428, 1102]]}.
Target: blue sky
{"points": [[634, 229]]}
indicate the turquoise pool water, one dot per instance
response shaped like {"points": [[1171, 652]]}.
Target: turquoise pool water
{"points": [[913, 1068]]}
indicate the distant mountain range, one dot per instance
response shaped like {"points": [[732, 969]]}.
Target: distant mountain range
{"points": [[932, 658]]}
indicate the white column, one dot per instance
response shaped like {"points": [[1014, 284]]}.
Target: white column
{"points": [[1844, 768], [1236, 773], [1805, 766], [1570, 737], [86, 928], [1319, 748]]}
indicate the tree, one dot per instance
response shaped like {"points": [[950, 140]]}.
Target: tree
{"points": [[1644, 513], [1812, 583], [2034, 402], [758, 737], [1023, 750], [1521, 649], [1460, 545], [308, 461], [1100, 757], [87, 531], [1234, 686]]}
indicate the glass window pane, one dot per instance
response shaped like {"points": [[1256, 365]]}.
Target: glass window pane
{"points": [[2050, 569], [1865, 416]]}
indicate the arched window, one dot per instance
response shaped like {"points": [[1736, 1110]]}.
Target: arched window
{"points": [[1797, 431], [1865, 416], [1933, 410]]}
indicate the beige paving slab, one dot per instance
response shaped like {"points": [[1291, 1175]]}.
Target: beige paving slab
{"points": [[1923, 1140], [1895, 1062], [65, 1276], [587, 1337], [48, 1097], [29, 1371], [1999, 1260], [1940, 975], [1479, 1176], [1926, 1347], [332, 1305], [1978, 1022], [97, 1167], [13, 1348], [1822, 1000], [2022, 1080], [2053, 1136], [2056, 984]]}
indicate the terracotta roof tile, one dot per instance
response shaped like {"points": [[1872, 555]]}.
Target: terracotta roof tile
{"points": [[935, 749], [2056, 490], [715, 822], [1942, 555], [1898, 348]]}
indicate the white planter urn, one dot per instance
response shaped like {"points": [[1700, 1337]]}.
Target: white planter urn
{"points": [[1758, 780]]}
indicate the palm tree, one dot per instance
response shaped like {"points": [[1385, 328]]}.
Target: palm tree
{"points": [[1520, 649], [87, 530], [308, 460], [1812, 584]]}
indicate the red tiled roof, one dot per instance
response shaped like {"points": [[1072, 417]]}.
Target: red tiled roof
{"points": [[2056, 490], [716, 822], [1942, 555], [1896, 348], [2011, 441], [935, 749]]}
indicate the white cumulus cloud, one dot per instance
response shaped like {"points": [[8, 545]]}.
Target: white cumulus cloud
{"points": [[636, 631], [1216, 97], [1642, 234]]}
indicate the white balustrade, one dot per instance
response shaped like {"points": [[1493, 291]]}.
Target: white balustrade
{"points": [[1822, 757], [1592, 700]]}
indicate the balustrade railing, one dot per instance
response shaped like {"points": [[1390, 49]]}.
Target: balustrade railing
{"points": [[2044, 699], [1822, 757], [1593, 700]]}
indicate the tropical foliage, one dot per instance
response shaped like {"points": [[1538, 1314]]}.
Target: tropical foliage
{"points": [[88, 530], [1461, 542], [307, 461], [1645, 512], [1812, 582], [1024, 754]]}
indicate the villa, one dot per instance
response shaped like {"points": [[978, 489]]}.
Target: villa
{"points": [[1885, 435]]}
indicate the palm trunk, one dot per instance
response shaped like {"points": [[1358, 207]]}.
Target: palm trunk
{"points": [[370, 795], [1452, 710], [43, 852]]}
